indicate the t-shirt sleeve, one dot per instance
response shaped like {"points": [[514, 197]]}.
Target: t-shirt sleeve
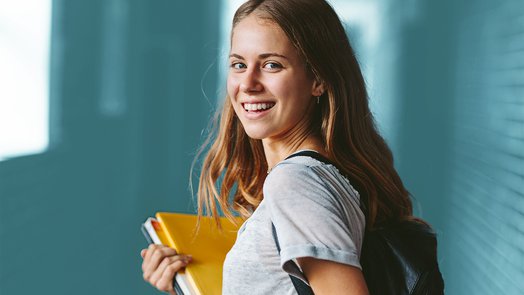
{"points": [[313, 218]]}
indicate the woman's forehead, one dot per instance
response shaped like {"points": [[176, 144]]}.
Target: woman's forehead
{"points": [[260, 35]]}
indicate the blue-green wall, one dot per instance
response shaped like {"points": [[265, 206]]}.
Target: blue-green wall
{"points": [[122, 144], [458, 131]]}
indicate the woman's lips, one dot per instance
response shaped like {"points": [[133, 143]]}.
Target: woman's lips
{"points": [[257, 110], [259, 106]]}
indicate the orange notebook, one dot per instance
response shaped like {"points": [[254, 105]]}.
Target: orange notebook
{"points": [[208, 248]]}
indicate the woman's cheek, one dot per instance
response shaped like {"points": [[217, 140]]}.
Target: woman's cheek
{"points": [[232, 88]]}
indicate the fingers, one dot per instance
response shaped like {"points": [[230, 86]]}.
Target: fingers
{"points": [[154, 255], [160, 266], [163, 278], [169, 265]]}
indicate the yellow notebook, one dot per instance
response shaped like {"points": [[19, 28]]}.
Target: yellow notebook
{"points": [[208, 248]]}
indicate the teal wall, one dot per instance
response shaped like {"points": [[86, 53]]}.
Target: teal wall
{"points": [[122, 144], [132, 87], [458, 131]]}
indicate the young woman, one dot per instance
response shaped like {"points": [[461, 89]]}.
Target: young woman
{"points": [[293, 85]]}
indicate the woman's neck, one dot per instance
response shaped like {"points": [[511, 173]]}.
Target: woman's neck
{"points": [[277, 151]]}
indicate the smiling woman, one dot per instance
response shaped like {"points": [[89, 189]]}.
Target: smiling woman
{"points": [[24, 76], [296, 153], [266, 70]]}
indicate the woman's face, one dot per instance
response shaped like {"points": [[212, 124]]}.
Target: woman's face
{"points": [[268, 84]]}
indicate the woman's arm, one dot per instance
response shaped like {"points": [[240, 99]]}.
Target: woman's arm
{"points": [[329, 277]]}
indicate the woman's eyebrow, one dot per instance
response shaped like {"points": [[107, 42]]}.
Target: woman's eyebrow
{"points": [[236, 56], [266, 55], [263, 55]]}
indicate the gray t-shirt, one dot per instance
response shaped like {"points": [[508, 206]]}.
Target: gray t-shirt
{"points": [[316, 213]]}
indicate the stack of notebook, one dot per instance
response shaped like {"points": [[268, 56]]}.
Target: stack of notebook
{"points": [[208, 246]]}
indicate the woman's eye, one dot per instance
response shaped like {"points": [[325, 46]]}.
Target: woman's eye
{"points": [[272, 66], [238, 65]]}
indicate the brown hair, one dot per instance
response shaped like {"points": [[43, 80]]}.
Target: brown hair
{"points": [[235, 167]]}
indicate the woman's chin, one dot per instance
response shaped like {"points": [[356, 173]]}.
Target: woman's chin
{"points": [[256, 134]]}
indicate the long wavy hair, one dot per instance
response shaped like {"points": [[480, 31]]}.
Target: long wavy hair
{"points": [[234, 168]]}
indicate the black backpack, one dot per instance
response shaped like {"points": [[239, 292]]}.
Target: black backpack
{"points": [[401, 259], [398, 259]]}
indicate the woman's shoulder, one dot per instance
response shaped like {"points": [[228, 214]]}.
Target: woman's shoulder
{"points": [[304, 166], [302, 173], [294, 169], [307, 174], [316, 190]]}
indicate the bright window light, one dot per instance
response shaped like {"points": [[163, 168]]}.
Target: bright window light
{"points": [[24, 76]]}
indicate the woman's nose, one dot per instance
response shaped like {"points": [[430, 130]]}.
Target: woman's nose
{"points": [[250, 81]]}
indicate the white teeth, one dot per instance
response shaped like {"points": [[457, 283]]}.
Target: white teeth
{"points": [[257, 106]]}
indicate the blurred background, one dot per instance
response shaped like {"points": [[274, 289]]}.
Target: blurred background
{"points": [[104, 103]]}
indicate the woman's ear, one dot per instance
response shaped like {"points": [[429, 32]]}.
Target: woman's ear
{"points": [[318, 88]]}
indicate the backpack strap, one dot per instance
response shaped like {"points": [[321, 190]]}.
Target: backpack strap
{"points": [[301, 287], [312, 154]]}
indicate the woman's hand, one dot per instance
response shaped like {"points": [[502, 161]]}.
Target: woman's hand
{"points": [[160, 266]]}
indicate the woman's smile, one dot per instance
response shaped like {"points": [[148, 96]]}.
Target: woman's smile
{"points": [[257, 109]]}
